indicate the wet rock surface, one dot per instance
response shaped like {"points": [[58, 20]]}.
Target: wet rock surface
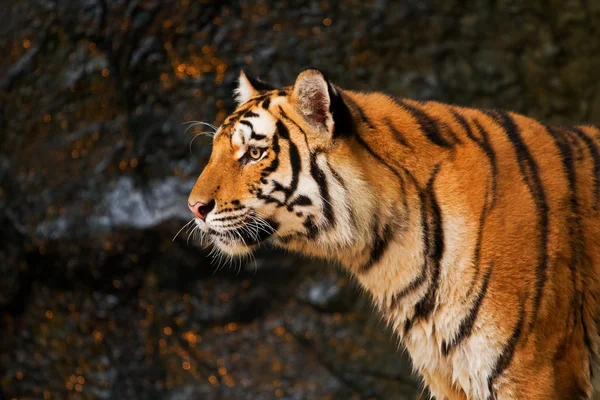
{"points": [[96, 301]]}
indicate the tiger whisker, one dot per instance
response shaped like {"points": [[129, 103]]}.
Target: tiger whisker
{"points": [[182, 228], [196, 123], [200, 134]]}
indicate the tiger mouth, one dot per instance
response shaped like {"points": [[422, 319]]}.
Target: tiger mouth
{"points": [[247, 234]]}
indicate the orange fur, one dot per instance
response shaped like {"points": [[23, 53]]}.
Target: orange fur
{"points": [[476, 232]]}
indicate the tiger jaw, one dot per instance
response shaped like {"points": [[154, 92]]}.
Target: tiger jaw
{"points": [[242, 238]]}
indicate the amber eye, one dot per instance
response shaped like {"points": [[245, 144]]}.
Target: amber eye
{"points": [[254, 153]]}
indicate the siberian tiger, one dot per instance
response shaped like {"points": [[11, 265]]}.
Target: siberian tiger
{"points": [[476, 232]]}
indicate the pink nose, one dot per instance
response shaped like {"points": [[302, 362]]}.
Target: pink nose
{"points": [[201, 210]]}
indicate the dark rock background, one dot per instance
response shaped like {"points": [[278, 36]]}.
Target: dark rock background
{"points": [[96, 301]]}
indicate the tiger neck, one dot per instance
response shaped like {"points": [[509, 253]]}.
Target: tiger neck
{"points": [[398, 243], [388, 253]]}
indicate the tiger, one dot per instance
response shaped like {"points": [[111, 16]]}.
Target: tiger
{"points": [[476, 232]]}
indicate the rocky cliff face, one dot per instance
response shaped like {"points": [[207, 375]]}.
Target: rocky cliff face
{"points": [[95, 168]]}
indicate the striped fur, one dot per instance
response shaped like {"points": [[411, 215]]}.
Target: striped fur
{"points": [[476, 232]]}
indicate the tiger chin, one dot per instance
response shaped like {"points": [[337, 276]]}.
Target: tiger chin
{"points": [[476, 232]]}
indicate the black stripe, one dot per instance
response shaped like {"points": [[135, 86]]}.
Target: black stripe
{"points": [[284, 115], [434, 252], [282, 130], [275, 163], [466, 325], [596, 160], [258, 99], [247, 123], [257, 136], [311, 229], [251, 114], [343, 123], [419, 279], [230, 218], [342, 183], [365, 120], [574, 219], [364, 144], [380, 245], [296, 165], [268, 198], [491, 155], [321, 180], [586, 338], [429, 125], [483, 142], [399, 136], [490, 197], [507, 353], [477, 251], [337, 176], [530, 173], [266, 103], [301, 200]]}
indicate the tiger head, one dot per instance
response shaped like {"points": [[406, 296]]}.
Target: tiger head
{"points": [[270, 177]]}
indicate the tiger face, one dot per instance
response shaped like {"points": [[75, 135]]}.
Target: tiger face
{"points": [[265, 179]]}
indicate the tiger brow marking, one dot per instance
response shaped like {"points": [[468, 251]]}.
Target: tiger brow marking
{"points": [[247, 123], [253, 134], [529, 170]]}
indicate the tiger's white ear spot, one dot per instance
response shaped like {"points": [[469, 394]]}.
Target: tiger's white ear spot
{"points": [[244, 90], [311, 96]]}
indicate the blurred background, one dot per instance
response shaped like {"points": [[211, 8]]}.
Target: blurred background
{"points": [[98, 302]]}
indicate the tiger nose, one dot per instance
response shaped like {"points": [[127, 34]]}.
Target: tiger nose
{"points": [[201, 210]]}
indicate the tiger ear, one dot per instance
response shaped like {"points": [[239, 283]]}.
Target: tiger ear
{"points": [[249, 87], [312, 97]]}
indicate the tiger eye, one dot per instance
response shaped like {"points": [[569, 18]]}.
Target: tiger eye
{"points": [[254, 153]]}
